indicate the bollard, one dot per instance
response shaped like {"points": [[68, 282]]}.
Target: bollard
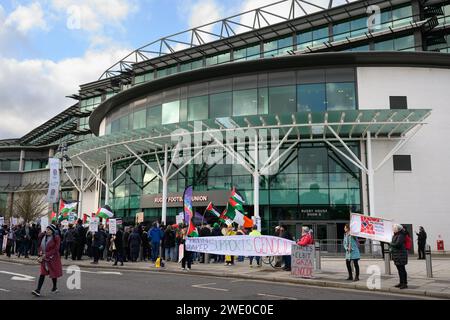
{"points": [[317, 255], [428, 262], [206, 258], [387, 259]]}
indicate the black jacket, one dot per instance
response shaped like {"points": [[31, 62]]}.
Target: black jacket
{"points": [[169, 239], [399, 252], [422, 237], [118, 241]]}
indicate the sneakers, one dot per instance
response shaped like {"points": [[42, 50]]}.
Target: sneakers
{"points": [[36, 293], [403, 286], [54, 291]]}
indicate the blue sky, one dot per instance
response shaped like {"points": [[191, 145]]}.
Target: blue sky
{"points": [[49, 47]]}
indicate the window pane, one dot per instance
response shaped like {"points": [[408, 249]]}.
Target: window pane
{"points": [[154, 116], [304, 37], [314, 195], [284, 181], [270, 49], [263, 103], [313, 160], [285, 45], [344, 180], [306, 180], [341, 31], [344, 196], [171, 112], [221, 105], [384, 45], [404, 43], [139, 119], [253, 52], [282, 100], [245, 102], [198, 108], [123, 123], [311, 97], [358, 27], [341, 96]]}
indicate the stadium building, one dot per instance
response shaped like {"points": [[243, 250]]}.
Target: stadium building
{"points": [[347, 104]]}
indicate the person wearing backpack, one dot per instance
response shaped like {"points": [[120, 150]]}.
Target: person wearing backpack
{"points": [[400, 254], [421, 242]]}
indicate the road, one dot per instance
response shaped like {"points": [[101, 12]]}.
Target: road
{"points": [[17, 282]]}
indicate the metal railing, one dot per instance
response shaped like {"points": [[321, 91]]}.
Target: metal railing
{"points": [[335, 248]]}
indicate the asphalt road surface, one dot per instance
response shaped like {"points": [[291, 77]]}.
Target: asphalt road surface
{"points": [[17, 282]]}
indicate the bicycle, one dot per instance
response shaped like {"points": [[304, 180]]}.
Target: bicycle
{"points": [[272, 261]]}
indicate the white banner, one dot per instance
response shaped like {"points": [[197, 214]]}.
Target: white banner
{"points": [[44, 223], [2, 222], [53, 182], [112, 226], [13, 221], [241, 246], [371, 228], [93, 225]]}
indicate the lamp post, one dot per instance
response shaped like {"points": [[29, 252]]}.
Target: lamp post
{"points": [[62, 151]]}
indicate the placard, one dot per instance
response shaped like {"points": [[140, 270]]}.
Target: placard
{"points": [[378, 229], [93, 225], [44, 223], [112, 226], [302, 261]]}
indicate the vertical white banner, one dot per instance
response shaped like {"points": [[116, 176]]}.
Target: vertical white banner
{"points": [[44, 223], [53, 182], [2, 221], [112, 226]]}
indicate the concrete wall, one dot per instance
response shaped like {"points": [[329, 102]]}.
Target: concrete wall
{"points": [[418, 197]]}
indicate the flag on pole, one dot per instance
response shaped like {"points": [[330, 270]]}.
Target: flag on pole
{"points": [[86, 218], [66, 208], [187, 199], [53, 217], [235, 210], [211, 209], [104, 212]]}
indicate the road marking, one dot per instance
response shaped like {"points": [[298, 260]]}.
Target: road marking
{"points": [[203, 286], [18, 276], [4, 290], [101, 272], [274, 296]]}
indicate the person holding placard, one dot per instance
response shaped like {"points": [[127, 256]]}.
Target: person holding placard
{"points": [[49, 259], [352, 253], [400, 254]]}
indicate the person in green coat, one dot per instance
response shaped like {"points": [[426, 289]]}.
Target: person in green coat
{"points": [[351, 254]]}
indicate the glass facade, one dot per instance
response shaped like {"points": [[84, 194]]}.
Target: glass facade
{"points": [[311, 176], [284, 92]]}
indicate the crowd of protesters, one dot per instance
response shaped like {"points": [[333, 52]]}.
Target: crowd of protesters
{"points": [[148, 243]]}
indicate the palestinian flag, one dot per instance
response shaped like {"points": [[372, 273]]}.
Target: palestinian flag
{"points": [[238, 217], [86, 218], [53, 217], [236, 201], [65, 209], [211, 209], [104, 213]]}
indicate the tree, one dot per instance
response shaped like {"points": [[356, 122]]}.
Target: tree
{"points": [[29, 205]]}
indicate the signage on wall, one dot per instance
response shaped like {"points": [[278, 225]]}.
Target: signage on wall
{"points": [[175, 200]]}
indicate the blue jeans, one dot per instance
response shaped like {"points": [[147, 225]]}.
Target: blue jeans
{"points": [[155, 251], [258, 259], [170, 253]]}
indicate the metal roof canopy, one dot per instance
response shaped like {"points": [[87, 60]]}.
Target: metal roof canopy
{"points": [[306, 126]]}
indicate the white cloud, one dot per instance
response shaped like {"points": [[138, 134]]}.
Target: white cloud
{"points": [[94, 15], [26, 18], [33, 91]]}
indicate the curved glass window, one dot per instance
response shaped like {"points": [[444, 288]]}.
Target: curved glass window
{"points": [[277, 92]]}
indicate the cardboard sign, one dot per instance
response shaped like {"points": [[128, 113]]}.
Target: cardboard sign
{"points": [[139, 217], [302, 261], [112, 226], [377, 229], [44, 223], [93, 225], [180, 218]]}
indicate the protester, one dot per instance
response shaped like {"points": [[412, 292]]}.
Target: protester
{"points": [[352, 253], [10, 241], [285, 234], [117, 242], [241, 232], [135, 244], [69, 239], [306, 238], [34, 235], [229, 260], [278, 259], [421, 242], [255, 233], [155, 236], [80, 239], [205, 231], [400, 254], [49, 259], [126, 237], [187, 255], [103, 239], [146, 248], [169, 244], [3, 232], [19, 241], [216, 232]]}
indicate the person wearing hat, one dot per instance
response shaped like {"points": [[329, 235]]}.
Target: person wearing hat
{"points": [[49, 258]]}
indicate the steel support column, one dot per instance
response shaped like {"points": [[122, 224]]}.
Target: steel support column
{"points": [[370, 175], [164, 183], [256, 179]]}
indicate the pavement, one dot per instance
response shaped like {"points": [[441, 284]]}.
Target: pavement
{"points": [[332, 274]]}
